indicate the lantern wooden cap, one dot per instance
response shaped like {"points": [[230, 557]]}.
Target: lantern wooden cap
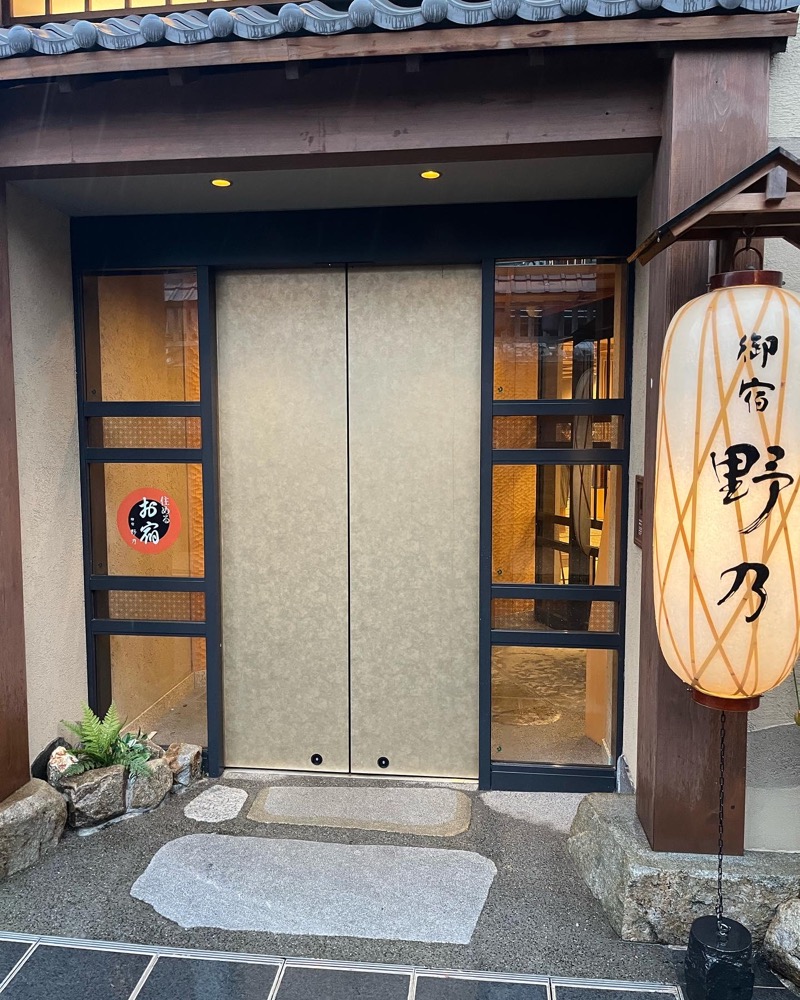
{"points": [[725, 704], [728, 279]]}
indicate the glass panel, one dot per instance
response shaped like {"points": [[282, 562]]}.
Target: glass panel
{"points": [[555, 524], [158, 682], [28, 8], [147, 520], [144, 432], [556, 432], [151, 605], [547, 616], [558, 331], [553, 706], [141, 337]]}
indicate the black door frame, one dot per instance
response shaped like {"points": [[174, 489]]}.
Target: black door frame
{"points": [[476, 234], [99, 625], [512, 776]]}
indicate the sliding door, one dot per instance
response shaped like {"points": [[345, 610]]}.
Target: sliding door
{"points": [[414, 387], [283, 473]]}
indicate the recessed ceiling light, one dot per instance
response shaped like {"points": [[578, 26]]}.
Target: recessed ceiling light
{"points": [[430, 175], [221, 182]]}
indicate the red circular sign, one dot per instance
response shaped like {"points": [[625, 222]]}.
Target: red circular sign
{"points": [[149, 520]]}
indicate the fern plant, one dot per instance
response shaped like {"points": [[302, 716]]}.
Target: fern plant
{"points": [[101, 743]]}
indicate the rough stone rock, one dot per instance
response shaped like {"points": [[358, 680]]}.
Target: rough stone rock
{"points": [[782, 941], [186, 760], [31, 821], [60, 760], [39, 766], [154, 748], [95, 796], [147, 791], [654, 896]]}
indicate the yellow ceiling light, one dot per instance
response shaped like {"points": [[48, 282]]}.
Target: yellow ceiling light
{"points": [[221, 182], [430, 175]]}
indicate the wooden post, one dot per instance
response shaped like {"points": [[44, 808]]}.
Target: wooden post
{"points": [[14, 769], [716, 104]]}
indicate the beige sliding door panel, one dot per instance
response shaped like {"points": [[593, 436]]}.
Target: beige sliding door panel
{"points": [[414, 383], [283, 492]]}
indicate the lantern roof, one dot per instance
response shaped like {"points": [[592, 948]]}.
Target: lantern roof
{"points": [[763, 200]]}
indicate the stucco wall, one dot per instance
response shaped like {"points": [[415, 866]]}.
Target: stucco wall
{"points": [[633, 591], [44, 378], [773, 744]]}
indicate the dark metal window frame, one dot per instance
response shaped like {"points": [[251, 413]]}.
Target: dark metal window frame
{"points": [[100, 628], [474, 234], [516, 776]]}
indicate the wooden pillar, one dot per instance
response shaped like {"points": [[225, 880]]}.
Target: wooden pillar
{"points": [[716, 104], [14, 769]]}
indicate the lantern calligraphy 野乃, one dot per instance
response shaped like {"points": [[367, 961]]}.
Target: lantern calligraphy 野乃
{"points": [[726, 524]]}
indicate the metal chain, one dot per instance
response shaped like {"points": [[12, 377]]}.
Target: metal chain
{"points": [[722, 929]]}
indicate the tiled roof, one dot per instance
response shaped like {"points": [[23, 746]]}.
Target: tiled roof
{"points": [[315, 17]]}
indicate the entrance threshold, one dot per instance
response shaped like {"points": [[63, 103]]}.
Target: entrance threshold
{"points": [[262, 774]]}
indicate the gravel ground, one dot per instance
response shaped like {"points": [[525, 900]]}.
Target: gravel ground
{"points": [[539, 916]]}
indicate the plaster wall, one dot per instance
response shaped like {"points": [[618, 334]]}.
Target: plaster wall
{"points": [[633, 590], [773, 744], [47, 440]]}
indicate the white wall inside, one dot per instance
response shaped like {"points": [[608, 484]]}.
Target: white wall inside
{"points": [[47, 440], [633, 590]]}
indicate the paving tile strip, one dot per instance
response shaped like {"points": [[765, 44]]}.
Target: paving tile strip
{"points": [[36, 968]]}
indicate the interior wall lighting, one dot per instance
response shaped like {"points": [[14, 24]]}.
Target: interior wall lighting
{"points": [[430, 175], [221, 182]]}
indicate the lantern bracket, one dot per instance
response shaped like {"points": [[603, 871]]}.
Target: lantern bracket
{"points": [[762, 201]]}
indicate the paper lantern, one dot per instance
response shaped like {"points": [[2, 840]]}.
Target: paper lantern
{"points": [[726, 531]]}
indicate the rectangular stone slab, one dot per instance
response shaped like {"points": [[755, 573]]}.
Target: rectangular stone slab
{"points": [[303, 887], [429, 812]]}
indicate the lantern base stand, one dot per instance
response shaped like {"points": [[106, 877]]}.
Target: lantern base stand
{"points": [[726, 704], [717, 967]]}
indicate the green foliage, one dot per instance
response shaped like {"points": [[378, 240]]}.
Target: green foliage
{"points": [[101, 743]]}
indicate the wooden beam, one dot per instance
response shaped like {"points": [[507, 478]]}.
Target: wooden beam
{"points": [[475, 108], [780, 230], [758, 202], [716, 107], [14, 770], [614, 31]]}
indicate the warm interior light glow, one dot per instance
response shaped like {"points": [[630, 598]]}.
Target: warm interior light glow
{"points": [[221, 182], [726, 531], [430, 175]]}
